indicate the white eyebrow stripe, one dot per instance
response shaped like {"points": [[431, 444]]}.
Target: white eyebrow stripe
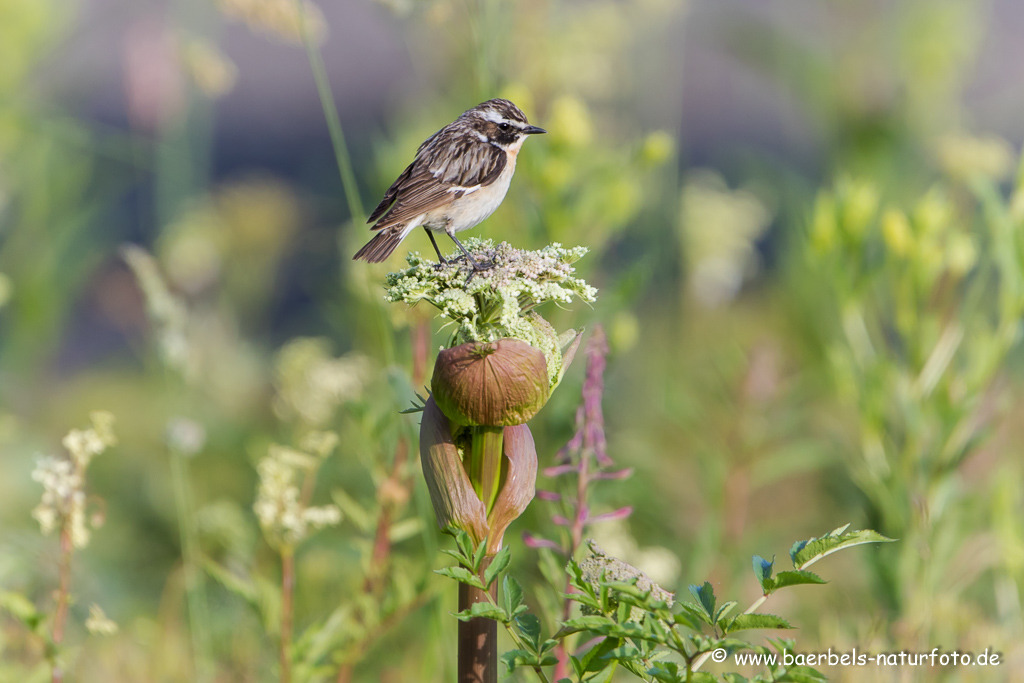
{"points": [[492, 115]]}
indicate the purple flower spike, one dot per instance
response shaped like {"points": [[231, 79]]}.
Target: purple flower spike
{"points": [[549, 496], [616, 474], [621, 513], [531, 541], [559, 470]]}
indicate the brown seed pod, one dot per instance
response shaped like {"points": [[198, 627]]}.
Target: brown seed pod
{"points": [[500, 383]]}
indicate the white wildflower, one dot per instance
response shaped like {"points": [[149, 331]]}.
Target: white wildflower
{"points": [[311, 384], [185, 436], [99, 623], [282, 514], [63, 503], [720, 228], [498, 302]]}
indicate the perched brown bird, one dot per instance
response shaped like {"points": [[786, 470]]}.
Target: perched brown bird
{"points": [[459, 177]]}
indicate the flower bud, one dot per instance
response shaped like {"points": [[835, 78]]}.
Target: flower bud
{"points": [[454, 500], [496, 384]]}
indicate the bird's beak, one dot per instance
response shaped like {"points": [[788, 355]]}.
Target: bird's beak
{"points": [[533, 130]]}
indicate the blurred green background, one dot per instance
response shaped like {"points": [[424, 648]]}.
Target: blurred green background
{"points": [[806, 222]]}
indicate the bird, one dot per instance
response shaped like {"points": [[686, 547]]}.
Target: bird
{"points": [[459, 178]]}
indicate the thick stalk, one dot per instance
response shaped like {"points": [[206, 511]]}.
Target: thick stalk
{"points": [[478, 638], [485, 463]]}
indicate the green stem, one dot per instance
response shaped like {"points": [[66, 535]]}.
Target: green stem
{"points": [[485, 463], [323, 89], [198, 611]]}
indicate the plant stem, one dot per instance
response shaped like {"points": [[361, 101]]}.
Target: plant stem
{"points": [[63, 593], [485, 463], [478, 637], [515, 637], [198, 612], [287, 594], [323, 89]]}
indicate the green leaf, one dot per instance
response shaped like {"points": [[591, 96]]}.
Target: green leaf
{"points": [[749, 621], [478, 556], [498, 565], [806, 553], [667, 672], [594, 659], [733, 677], [763, 571], [514, 659], [796, 577], [802, 674], [724, 610], [462, 575], [705, 596], [483, 609], [689, 619], [21, 608], [528, 626], [588, 622], [702, 677], [512, 596], [621, 653]]}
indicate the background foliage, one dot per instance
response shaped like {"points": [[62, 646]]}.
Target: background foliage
{"points": [[801, 336]]}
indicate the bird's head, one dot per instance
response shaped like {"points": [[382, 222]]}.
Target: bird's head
{"points": [[501, 123]]}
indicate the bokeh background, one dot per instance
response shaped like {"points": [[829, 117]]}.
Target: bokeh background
{"points": [[805, 221]]}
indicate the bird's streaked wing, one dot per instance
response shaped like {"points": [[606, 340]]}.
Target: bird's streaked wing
{"points": [[445, 169]]}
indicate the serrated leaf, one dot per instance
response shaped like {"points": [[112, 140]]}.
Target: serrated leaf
{"points": [[528, 626], [588, 622], [763, 570], [705, 596], [514, 659], [795, 577], [512, 595], [486, 610], [583, 599], [666, 672], [688, 619], [462, 575], [733, 677], [724, 610], [744, 622], [498, 565], [621, 652], [478, 556], [594, 659], [806, 553]]}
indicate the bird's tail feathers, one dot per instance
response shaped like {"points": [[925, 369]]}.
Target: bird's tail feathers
{"points": [[382, 244]]}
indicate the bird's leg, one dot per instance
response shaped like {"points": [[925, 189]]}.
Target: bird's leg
{"points": [[441, 259], [477, 266]]}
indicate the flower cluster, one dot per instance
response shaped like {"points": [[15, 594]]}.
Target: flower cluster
{"points": [[63, 504], [99, 623], [282, 500], [498, 303], [282, 19], [311, 383]]}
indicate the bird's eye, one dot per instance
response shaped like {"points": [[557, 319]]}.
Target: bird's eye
{"points": [[504, 126]]}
